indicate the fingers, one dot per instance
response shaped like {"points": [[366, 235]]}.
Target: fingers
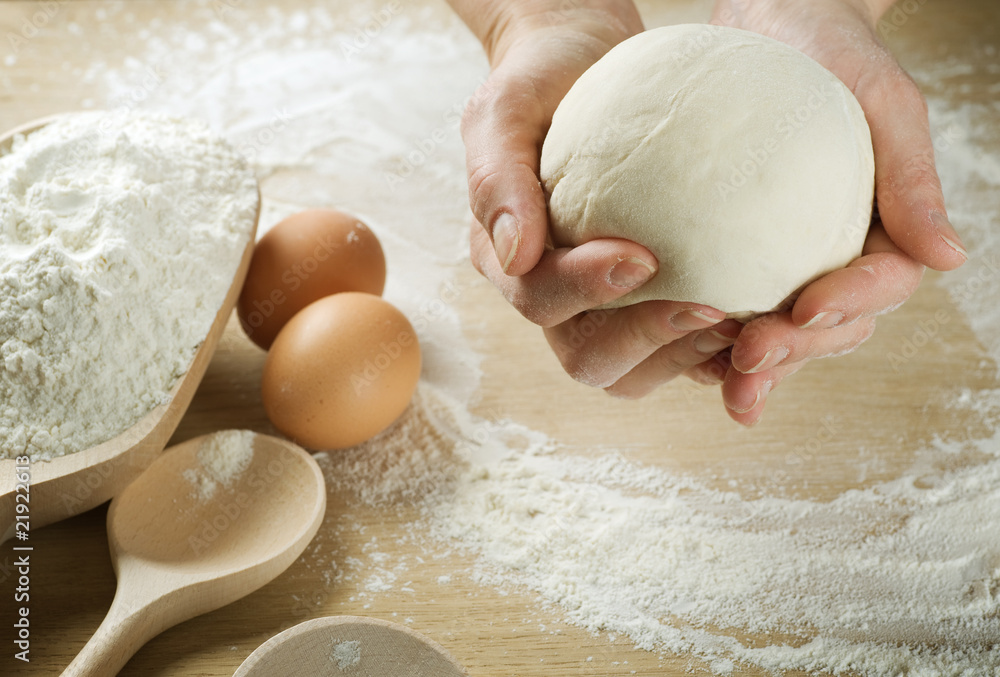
{"points": [[670, 361], [503, 129], [600, 347], [907, 187], [874, 284], [566, 282], [746, 394], [771, 348], [774, 340], [833, 314], [711, 372]]}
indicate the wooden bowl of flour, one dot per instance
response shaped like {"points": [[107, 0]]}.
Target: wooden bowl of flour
{"points": [[71, 484]]}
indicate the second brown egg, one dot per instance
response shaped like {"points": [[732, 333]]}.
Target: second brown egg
{"points": [[304, 258]]}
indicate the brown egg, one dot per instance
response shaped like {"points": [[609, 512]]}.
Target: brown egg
{"points": [[341, 371], [307, 256]]}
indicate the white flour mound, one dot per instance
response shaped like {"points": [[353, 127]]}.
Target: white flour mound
{"points": [[119, 238]]}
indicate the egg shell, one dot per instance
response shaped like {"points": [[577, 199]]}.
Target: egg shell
{"points": [[341, 371], [303, 258]]}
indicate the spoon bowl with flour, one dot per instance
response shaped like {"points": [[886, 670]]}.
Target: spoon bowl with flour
{"points": [[128, 241], [210, 521], [355, 645]]}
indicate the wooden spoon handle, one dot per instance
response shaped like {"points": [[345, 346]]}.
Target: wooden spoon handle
{"points": [[122, 632]]}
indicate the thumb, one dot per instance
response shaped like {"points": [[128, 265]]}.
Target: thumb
{"points": [[907, 186], [503, 127]]}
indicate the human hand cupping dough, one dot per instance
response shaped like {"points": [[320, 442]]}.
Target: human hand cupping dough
{"points": [[537, 51], [836, 313]]}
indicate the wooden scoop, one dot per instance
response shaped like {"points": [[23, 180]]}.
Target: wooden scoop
{"points": [[179, 553], [74, 483], [350, 645]]}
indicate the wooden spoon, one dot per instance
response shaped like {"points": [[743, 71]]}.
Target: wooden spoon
{"points": [[352, 645], [179, 554], [74, 483]]}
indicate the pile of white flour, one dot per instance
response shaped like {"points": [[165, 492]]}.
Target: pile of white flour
{"points": [[119, 238]]}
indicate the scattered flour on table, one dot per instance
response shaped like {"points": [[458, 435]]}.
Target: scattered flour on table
{"points": [[901, 577], [119, 238], [346, 654], [891, 579], [223, 457]]}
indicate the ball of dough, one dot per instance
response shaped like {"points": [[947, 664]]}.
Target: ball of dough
{"points": [[742, 164]]}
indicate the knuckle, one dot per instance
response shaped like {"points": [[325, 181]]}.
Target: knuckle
{"points": [[580, 354], [907, 91], [579, 368], [496, 123], [495, 181], [670, 363], [500, 101], [478, 108], [579, 282], [651, 329], [530, 308], [488, 108], [900, 274], [918, 171], [484, 180], [894, 84], [483, 113]]}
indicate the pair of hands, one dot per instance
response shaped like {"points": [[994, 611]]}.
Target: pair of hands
{"points": [[537, 50]]}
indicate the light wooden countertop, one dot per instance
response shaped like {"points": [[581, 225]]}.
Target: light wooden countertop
{"points": [[874, 408]]}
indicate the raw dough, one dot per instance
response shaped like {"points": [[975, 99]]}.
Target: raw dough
{"points": [[742, 164]]}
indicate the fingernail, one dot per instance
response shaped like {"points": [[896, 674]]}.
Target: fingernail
{"points": [[630, 272], [957, 247], [506, 238], [710, 342], [713, 379], [764, 389], [825, 320], [756, 401], [689, 320], [772, 358], [947, 233]]}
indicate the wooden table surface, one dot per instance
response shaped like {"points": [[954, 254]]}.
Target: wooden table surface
{"points": [[877, 410]]}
